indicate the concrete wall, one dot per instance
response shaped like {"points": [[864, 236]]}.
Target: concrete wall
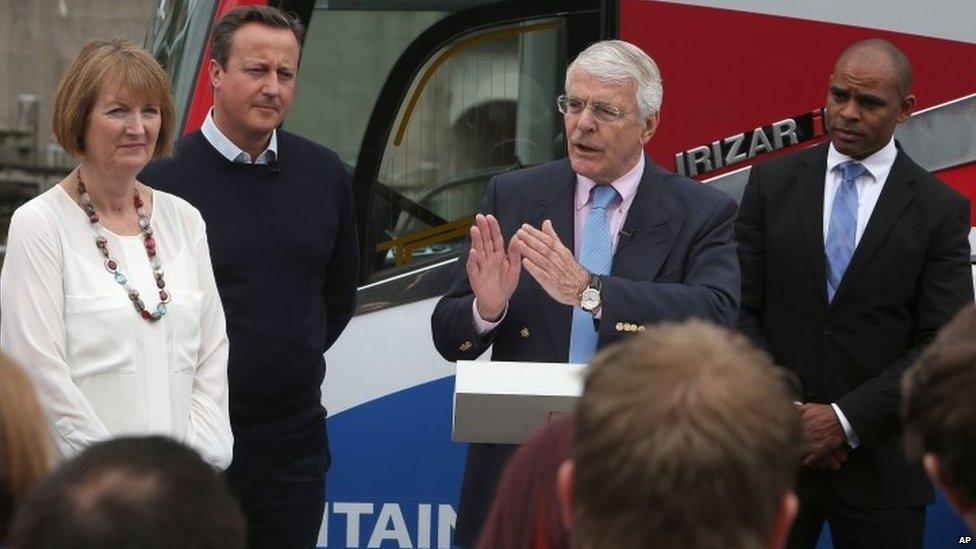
{"points": [[39, 38]]}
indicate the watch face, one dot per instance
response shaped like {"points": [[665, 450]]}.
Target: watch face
{"points": [[590, 299]]}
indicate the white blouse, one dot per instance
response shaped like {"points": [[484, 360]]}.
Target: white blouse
{"points": [[100, 370]]}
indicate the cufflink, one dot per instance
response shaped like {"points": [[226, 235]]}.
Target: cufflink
{"points": [[465, 346]]}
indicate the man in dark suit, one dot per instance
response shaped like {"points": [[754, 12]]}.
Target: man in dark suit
{"points": [[608, 241], [852, 258]]}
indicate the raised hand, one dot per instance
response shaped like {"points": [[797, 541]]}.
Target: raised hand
{"points": [[551, 264], [492, 272]]}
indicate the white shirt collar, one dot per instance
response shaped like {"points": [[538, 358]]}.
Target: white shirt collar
{"points": [[232, 152], [878, 164]]}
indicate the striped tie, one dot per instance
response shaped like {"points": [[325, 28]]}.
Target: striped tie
{"points": [[842, 230], [596, 256]]}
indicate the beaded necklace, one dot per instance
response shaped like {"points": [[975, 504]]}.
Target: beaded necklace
{"points": [[113, 266]]}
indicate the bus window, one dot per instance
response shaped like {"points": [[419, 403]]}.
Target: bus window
{"points": [[480, 106]]}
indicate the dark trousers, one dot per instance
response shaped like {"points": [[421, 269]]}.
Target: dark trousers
{"points": [[851, 527], [282, 503]]}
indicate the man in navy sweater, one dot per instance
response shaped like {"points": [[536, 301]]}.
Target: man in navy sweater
{"points": [[279, 212]]}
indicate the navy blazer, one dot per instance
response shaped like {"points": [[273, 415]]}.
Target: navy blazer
{"points": [[675, 259]]}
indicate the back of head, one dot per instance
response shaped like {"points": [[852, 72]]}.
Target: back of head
{"points": [[147, 492], [525, 511], [685, 426], [939, 409], [25, 447]]}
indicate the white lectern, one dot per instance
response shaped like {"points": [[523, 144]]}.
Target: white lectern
{"points": [[505, 402]]}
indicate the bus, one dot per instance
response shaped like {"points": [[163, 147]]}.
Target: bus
{"points": [[425, 100]]}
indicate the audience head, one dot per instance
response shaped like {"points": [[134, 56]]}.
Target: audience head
{"points": [[109, 75], [686, 438], [124, 493], [25, 447], [940, 412], [525, 511]]}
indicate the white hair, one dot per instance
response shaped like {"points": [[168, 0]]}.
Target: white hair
{"points": [[617, 62]]}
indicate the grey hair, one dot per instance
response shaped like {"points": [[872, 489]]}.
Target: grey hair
{"points": [[617, 62]]}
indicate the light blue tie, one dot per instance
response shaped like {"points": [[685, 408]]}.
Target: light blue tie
{"points": [[596, 256], [843, 226]]}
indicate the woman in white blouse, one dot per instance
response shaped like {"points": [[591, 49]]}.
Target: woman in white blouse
{"points": [[107, 295]]}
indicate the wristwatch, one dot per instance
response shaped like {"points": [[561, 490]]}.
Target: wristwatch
{"points": [[590, 296]]}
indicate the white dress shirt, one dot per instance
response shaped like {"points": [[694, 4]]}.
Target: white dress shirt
{"points": [[100, 370], [869, 186], [232, 152]]}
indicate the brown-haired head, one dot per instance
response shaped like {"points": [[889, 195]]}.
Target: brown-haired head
{"points": [[938, 408], [222, 39], [25, 447], [683, 426], [105, 65]]}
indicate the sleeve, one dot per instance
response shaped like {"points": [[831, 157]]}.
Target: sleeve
{"points": [[750, 234], [944, 287], [209, 429], [456, 335], [709, 289], [32, 328], [342, 272]]}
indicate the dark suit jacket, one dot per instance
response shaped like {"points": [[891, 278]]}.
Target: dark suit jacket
{"points": [[677, 262], [909, 274]]}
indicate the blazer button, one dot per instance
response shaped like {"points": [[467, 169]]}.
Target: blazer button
{"points": [[827, 331], [465, 346]]}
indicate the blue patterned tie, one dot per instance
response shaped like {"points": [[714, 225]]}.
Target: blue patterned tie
{"points": [[596, 256], [843, 226]]}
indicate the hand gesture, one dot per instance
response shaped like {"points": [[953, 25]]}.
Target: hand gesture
{"points": [[492, 272], [551, 264]]}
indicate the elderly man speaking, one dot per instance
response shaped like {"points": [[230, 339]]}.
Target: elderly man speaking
{"points": [[570, 256]]}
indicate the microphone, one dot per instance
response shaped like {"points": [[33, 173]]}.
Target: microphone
{"points": [[272, 167]]}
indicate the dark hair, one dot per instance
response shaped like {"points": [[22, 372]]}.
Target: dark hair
{"points": [[222, 38], [149, 492], [899, 61], [525, 511], [686, 438], [939, 409]]}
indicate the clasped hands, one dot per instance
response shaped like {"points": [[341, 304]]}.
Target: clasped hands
{"points": [[493, 270], [824, 442]]}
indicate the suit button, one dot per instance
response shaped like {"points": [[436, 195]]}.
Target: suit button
{"points": [[827, 331]]}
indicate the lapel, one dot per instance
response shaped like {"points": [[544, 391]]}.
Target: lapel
{"points": [[555, 202], [649, 232], [898, 191], [810, 203]]}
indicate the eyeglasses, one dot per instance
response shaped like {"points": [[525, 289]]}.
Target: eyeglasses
{"points": [[573, 106]]}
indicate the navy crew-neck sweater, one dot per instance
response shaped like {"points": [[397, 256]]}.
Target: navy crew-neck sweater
{"points": [[283, 245]]}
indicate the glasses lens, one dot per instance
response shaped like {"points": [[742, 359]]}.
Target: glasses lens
{"points": [[606, 113]]}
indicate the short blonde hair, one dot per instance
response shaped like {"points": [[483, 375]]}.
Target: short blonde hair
{"points": [[110, 62], [25, 445]]}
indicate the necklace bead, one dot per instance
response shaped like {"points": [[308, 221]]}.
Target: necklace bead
{"points": [[113, 266]]}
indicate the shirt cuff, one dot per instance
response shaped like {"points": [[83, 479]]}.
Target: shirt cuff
{"points": [[852, 440], [482, 326]]}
